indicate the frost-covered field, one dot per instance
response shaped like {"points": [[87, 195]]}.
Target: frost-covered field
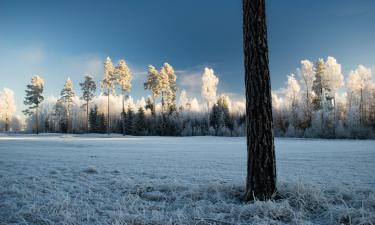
{"points": [[189, 180]]}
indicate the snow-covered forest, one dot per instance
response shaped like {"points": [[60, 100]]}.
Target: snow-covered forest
{"points": [[317, 102]]}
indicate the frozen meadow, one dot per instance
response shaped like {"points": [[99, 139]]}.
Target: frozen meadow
{"points": [[95, 179]]}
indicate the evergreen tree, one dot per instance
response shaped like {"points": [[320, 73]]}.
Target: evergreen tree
{"points": [[93, 119], [88, 90], [154, 85], [129, 121], [317, 86], [140, 122], [102, 123], [124, 78], [108, 85], [66, 97], [34, 97]]}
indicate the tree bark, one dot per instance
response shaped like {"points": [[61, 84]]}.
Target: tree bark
{"points": [[108, 114], [123, 114], [37, 122], [87, 116], [261, 162]]}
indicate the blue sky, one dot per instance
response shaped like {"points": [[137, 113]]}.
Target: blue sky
{"points": [[60, 39]]}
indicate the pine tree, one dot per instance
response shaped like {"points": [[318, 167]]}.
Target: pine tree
{"points": [[34, 97], [93, 119], [124, 78], [317, 86], [108, 85], [129, 121], [88, 88], [140, 122], [153, 84], [66, 97]]}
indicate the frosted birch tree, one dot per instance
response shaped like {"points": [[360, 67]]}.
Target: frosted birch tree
{"points": [[34, 97], [164, 86], [357, 83], [209, 89], [307, 75], [108, 85], [170, 88], [88, 88], [292, 93], [7, 106]]}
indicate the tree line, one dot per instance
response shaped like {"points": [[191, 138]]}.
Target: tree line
{"points": [[159, 114], [315, 103], [321, 104]]}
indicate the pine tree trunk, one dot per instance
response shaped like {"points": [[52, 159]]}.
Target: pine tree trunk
{"points": [[123, 114], [7, 124], [361, 108], [261, 162], [87, 116], [108, 114], [37, 122], [208, 116], [153, 110]]}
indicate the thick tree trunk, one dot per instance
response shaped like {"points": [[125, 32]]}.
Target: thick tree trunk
{"points": [[261, 164]]}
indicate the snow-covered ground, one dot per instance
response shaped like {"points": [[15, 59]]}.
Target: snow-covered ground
{"points": [[94, 179]]}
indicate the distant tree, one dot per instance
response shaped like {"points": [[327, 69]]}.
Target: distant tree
{"points": [[129, 121], [150, 105], [209, 88], [66, 97], [7, 106], [88, 88], [93, 119], [292, 93], [34, 97], [359, 82], [153, 84], [261, 163], [124, 77], [184, 101], [60, 114], [102, 123], [307, 75], [108, 85], [164, 87], [140, 122], [317, 86], [171, 88]]}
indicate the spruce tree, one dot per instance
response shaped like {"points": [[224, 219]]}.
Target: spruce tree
{"points": [[67, 95], [124, 77], [108, 85], [129, 121], [140, 122], [88, 88]]}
